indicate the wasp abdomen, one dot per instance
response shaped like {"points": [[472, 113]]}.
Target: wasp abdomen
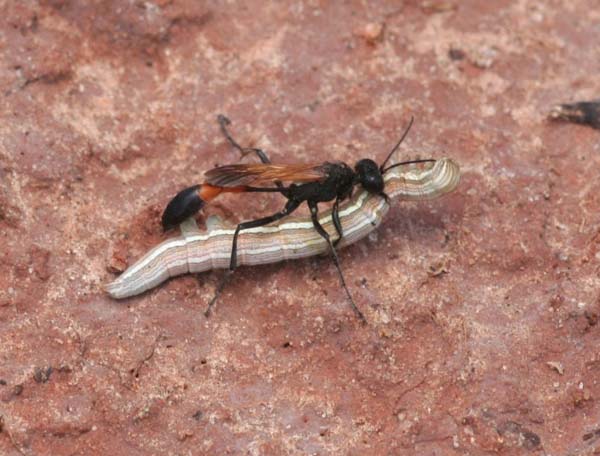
{"points": [[185, 204]]}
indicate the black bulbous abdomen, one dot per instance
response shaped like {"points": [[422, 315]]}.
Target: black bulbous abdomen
{"points": [[185, 204]]}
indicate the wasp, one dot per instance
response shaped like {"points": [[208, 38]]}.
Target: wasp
{"points": [[311, 183]]}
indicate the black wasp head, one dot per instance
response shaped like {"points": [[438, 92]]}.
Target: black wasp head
{"points": [[369, 175]]}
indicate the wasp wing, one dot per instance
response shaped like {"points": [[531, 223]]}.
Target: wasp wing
{"points": [[265, 174]]}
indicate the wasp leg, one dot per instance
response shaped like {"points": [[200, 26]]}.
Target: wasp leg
{"points": [[385, 196], [335, 216], [290, 207], [224, 281], [262, 155], [315, 219], [223, 123]]}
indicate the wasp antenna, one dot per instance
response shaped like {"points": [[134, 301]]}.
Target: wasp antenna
{"points": [[381, 168], [409, 162]]}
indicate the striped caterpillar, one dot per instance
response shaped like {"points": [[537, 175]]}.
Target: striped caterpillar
{"points": [[290, 238]]}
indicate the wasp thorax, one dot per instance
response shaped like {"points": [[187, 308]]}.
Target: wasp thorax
{"points": [[369, 175]]}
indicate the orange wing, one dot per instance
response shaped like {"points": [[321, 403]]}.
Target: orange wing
{"points": [[264, 174]]}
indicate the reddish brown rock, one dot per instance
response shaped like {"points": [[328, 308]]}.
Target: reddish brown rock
{"points": [[482, 306]]}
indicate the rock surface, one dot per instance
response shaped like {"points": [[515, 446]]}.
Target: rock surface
{"points": [[483, 306]]}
